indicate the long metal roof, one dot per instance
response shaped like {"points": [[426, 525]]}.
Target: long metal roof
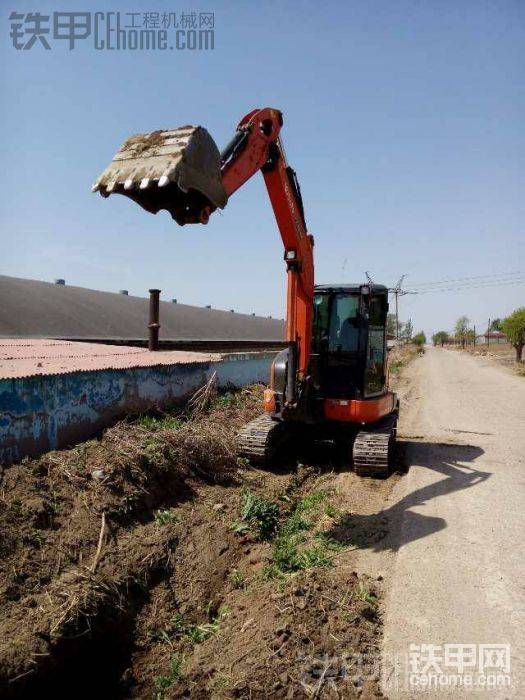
{"points": [[34, 309], [26, 357]]}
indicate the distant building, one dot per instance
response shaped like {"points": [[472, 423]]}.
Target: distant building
{"points": [[491, 338]]}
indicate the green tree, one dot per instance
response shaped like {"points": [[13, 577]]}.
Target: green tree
{"points": [[408, 330], [440, 338], [419, 339], [461, 329], [514, 328], [496, 325]]}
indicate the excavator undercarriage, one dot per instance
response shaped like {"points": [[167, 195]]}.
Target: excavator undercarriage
{"points": [[368, 449]]}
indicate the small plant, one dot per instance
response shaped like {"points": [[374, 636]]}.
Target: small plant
{"points": [[237, 579], [164, 517], [364, 594], [199, 633], [126, 506], [180, 628], [260, 515], [163, 683], [240, 528]]}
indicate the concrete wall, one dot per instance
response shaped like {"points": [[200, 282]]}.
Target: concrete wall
{"points": [[42, 413]]}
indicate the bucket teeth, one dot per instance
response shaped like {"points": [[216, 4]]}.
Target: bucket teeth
{"points": [[183, 163]]}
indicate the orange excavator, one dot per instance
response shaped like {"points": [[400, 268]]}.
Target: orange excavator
{"points": [[331, 380]]}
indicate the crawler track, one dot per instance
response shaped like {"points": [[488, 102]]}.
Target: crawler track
{"points": [[373, 448], [259, 439]]}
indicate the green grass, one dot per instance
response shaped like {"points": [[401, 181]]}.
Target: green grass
{"points": [[227, 399], [164, 422], [295, 545], [294, 548], [164, 683], [331, 510]]}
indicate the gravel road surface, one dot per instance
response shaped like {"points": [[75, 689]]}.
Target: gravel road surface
{"points": [[459, 574]]}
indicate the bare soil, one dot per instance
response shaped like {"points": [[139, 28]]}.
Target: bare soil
{"points": [[501, 355], [131, 567]]}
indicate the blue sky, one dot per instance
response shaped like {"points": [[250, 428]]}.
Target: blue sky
{"points": [[404, 121]]}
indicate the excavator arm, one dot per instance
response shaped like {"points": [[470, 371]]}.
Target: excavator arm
{"points": [[182, 171], [257, 146]]}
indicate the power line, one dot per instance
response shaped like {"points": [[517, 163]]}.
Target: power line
{"points": [[464, 287], [471, 278]]}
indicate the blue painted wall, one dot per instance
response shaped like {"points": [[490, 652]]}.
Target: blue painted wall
{"points": [[43, 413]]}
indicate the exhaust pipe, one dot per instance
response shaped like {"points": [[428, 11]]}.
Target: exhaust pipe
{"points": [[153, 325]]}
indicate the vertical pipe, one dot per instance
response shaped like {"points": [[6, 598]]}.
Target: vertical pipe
{"points": [[291, 335], [154, 325], [291, 305]]}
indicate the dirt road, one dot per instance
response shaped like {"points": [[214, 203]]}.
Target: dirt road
{"points": [[458, 577]]}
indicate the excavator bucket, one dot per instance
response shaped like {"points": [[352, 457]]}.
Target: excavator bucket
{"points": [[178, 170]]}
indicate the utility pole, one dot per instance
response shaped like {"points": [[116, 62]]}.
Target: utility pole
{"points": [[488, 333], [474, 335], [397, 315], [397, 291]]}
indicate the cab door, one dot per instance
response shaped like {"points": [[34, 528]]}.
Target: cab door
{"points": [[376, 308], [337, 340]]}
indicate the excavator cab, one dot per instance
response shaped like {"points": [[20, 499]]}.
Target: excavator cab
{"points": [[349, 341]]}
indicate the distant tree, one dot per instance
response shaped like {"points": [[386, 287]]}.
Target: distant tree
{"points": [[461, 329], [496, 325], [514, 328], [408, 330], [391, 324], [419, 339], [440, 338]]}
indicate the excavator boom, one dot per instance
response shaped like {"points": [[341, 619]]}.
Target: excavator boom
{"points": [[182, 171]]}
